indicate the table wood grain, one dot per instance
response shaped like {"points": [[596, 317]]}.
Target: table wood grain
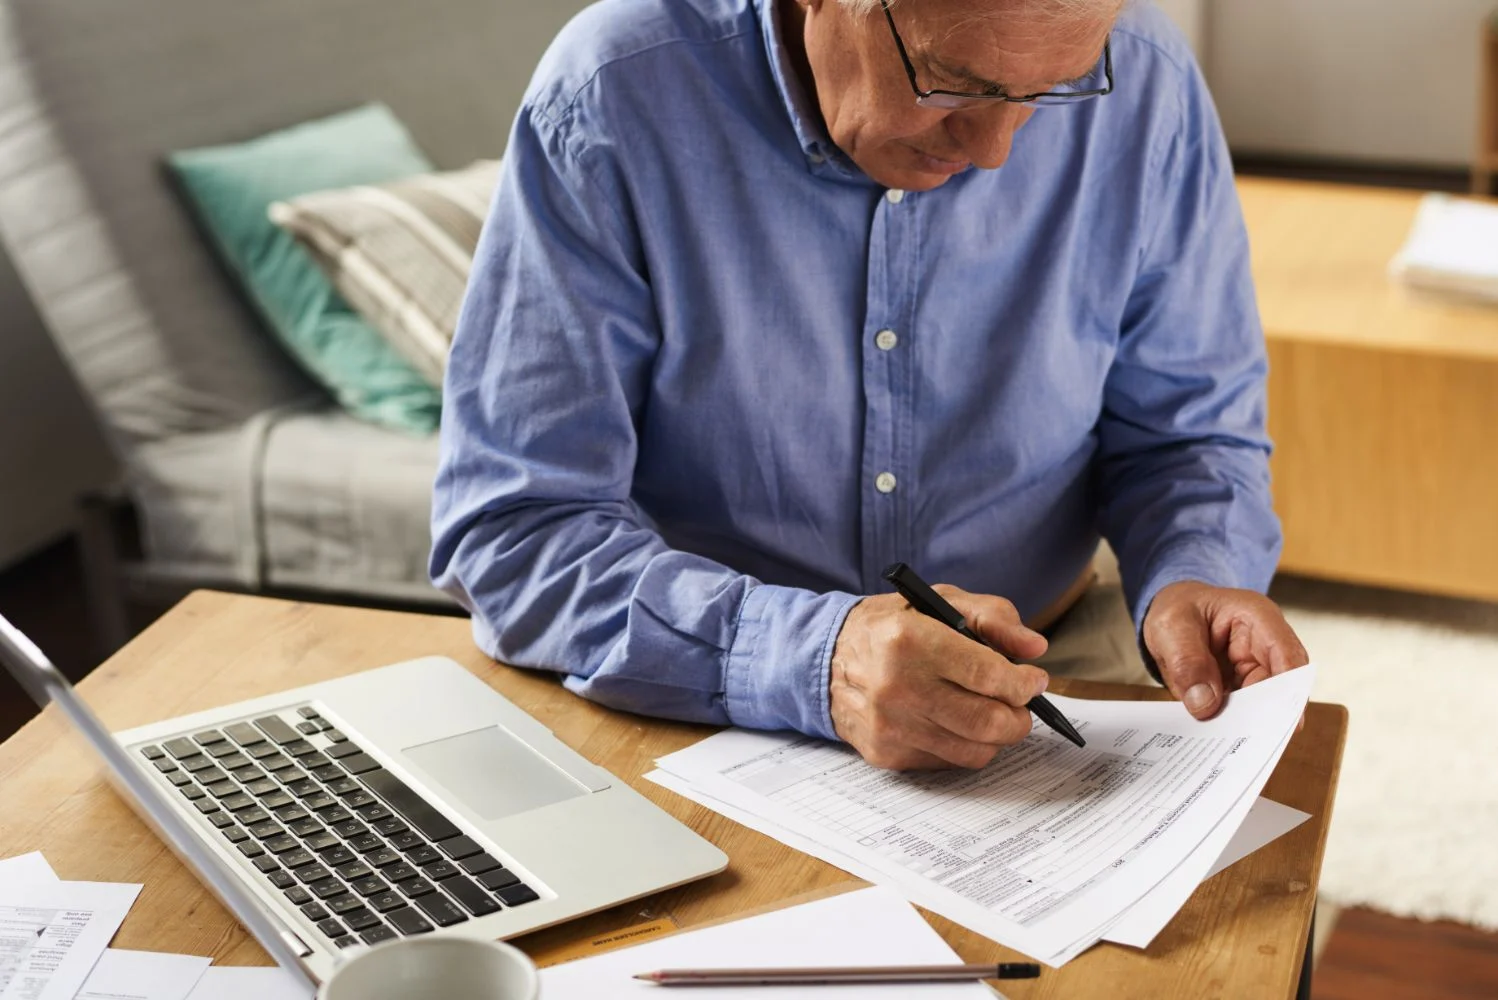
{"points": [[1242, 934]]}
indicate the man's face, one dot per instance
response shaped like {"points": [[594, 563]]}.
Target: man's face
{"points": [[959, 45]]}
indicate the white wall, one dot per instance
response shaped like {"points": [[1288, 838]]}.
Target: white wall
{"points": [[50, 450], [1384, 80]]}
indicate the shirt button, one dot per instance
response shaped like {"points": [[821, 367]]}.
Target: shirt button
{"points": [[894, 196], [885, 482], [886, 340], [817, 158]]}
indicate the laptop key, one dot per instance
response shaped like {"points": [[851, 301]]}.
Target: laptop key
{"points": [[335, 814], [305, 827], [181, 747], [220, 819], [307, 728], [474, 900], [278, 764], [411, 888], [389, 827], [192, 792], [251, 849], [517, 895], [386, 901], [416, 810], [346, 827], [440, 910], [439, 870], [335, 735], [423, 855], [338, 751], [179, 778], [499, 878], [208, 737], [408, 921], [223, 789], [354, 869], [304, 788], [314, 911], [291, 813], [478, 864], [321, 842], [241, 767], [152, 752], [299, 858], [371, 885], [277, 800], [238, 802], [262, 787], [316, 759], [327, 888], [376, 935], [359, 763], [365, 843], [282, 844], [235, 834], [361, 798], [308, 874], [399, 872], [405, 840], [347, 941], [459, 848], [382, 856], [265, 829], [327, 772], [345, 903], [308, 712], [252, 815], [267, 864], [206, 806], [277, 729], [318, 801], [244, 734], [165, 765], [281, 879], [299, 748], [361, 918], [299, 896], [218, 751], [339, 855], [345, 786], [331, 928], [260, 751], [197, 762], [291, 775], [374, 811]]}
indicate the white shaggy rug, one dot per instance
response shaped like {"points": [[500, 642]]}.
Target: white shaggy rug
{"points": [[1415, 826]]}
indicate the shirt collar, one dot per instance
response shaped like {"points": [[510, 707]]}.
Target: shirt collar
{"points": [[816, 146]]}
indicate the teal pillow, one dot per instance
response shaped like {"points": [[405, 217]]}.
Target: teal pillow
{"points": [[231, 188]]}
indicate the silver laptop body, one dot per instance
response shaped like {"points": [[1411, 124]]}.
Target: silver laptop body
{"points": [[403, 800]]}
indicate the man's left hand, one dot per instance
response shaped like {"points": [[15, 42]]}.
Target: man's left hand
{"points": [[1210, 640]]}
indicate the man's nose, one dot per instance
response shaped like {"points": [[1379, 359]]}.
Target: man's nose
{"points": [[987, 134]]}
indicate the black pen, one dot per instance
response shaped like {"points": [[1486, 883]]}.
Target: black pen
{"points": [[928, 602]]}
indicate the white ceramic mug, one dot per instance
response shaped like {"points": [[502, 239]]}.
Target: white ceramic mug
{"points": [[435, 968]]}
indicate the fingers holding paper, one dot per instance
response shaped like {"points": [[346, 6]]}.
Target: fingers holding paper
{"points": [[908, 692], [1209, 640]]}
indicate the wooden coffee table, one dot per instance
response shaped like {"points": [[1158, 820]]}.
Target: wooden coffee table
{"points": [[1382, 401], [1243, 934]]}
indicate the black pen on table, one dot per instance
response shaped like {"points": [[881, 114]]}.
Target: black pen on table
{"points": [[928, 602], [842, 974]]}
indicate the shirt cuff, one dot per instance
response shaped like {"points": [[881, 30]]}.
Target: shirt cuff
{"points": [[780, 662]]}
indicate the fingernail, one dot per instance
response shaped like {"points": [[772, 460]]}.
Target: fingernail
{"points": [[1199, 697], [1045, 682]]}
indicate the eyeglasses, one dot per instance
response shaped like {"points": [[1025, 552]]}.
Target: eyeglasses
{"points": [[953, 99]]}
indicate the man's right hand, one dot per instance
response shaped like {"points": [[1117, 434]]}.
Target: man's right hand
{"points": [[908, 692]]}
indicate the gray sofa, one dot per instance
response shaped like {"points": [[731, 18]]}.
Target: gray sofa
{"points": [[240, 471]]}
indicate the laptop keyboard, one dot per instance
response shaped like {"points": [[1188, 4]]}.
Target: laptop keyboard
{"points": [[362, 856]]}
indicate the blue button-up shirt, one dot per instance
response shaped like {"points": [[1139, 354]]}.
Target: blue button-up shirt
{"points": [[710, 378]]}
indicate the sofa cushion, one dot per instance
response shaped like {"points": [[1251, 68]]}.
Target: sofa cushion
{"points": [[315, 500], [231, 187], [400, 253], [92, 95]]}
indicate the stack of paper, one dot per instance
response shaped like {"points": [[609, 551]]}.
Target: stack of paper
{"points": [[53, 946], [1050, 848], [1452, 247]]}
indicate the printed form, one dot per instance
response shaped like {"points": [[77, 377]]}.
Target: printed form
{"points": [[1050, 844], [51, 935]]}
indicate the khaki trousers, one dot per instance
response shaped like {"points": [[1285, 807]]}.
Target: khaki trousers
{"points": [[1095, 640]]}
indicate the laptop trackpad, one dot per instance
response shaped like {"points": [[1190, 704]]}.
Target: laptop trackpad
{"points": [[494, 773]]}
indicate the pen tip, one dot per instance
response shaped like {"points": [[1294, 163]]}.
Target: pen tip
{"points": [[649, 976]]}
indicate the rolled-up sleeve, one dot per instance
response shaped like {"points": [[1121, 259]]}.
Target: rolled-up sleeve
{"points": [[534, 528], [1184, 450]]}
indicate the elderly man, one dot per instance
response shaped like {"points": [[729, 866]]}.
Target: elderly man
{"points": [[777, 292]]}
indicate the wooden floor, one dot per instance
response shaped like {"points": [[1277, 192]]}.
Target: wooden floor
{"points": [[1368, 956]]}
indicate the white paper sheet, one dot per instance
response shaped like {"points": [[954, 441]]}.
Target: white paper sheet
{"points": [[1268, 820], [871, 926], [143, 975], [259, 983], [1045, 848], [51, 935], [27, 869]]}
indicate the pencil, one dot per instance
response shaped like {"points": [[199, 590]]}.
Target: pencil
{"points": [[841, 974]]}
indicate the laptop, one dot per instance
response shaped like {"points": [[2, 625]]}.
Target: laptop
{"points": [[408, 799]]}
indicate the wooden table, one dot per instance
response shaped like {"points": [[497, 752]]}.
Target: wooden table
{"points": [[1242, 935], [1382, 399]]}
